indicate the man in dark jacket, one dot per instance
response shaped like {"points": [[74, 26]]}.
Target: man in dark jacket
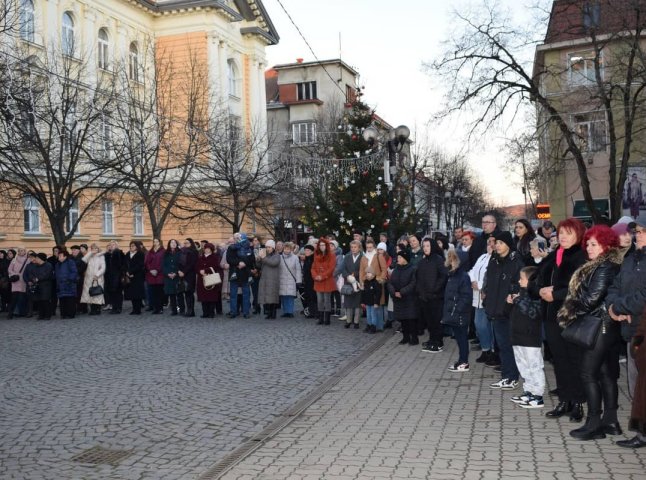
{"points": [[431, 278], [311, 307], [77, 256], [501, 280], [626, 301], [241, 261], [41, 284], [479, 246]]}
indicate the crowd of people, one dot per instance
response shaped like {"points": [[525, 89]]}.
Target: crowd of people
{"points": [[569, 294]]}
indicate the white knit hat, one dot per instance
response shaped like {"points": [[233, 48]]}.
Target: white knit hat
{"points": [[382, 246], [270, 244]]}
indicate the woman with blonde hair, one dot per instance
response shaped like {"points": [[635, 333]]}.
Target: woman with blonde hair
{"points": [[350, 270], [94, 275]]}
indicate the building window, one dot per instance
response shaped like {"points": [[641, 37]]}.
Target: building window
{"points": [[138, 217], [67, 35], [304, 133], [581, 67], [232, 77], [27, 20], [31, 211], [350, 94], [134, 62], [104, 137], [591, 130], [306, 90], [103, 49], [591, 15], [71, 221], [108, 217]]}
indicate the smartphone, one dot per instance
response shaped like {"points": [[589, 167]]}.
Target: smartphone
{"points": [[541, 246]]}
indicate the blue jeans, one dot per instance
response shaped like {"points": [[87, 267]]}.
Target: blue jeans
{"points": [[233, 300], [375, 316], [502, 332], [287, 304], [461, 335], [484, 330]]}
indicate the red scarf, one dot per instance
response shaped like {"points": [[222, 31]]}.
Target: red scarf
{"points": [[559, 256]]}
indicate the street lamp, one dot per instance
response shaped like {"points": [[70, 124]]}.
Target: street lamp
{"points": [[394, 141]]}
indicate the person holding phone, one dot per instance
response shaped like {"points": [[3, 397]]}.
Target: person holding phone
{"points": [[538, 249]]}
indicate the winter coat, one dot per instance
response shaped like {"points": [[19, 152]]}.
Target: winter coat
{"points": [[134, 267], [241, 252], [66, 278], [627, 294], [479, 245], [501, 280], [269, 287], [526, 321], [522, 247], [430, 278], [114, 268], [477, 274], [16, 267], [154, 261], [637, 421], [308, 281], [324, 266], [289, 274], [349, 267], [549, 274], [42, 277], [170, 264], [402, 280], [95, 268], [81, 266], [416, 257], [187, 263], [457, 299], [212, 294], [373, 290]]}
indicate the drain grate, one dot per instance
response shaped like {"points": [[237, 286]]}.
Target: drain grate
{"points": [[101, 456]]}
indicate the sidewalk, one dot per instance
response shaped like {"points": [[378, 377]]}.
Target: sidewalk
{"points": [[400, 414]]}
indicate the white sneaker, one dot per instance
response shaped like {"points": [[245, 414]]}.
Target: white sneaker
{"points": [[522, 398], [534, 402], [504, 384], [343, 318], [459, 367]]}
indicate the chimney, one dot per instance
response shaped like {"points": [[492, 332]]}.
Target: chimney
{"points": [[299, 60]]}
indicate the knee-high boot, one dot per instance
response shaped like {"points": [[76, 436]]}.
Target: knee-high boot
{"points": [[591, 429], [190, 306], [326, 318], [610, 395]]}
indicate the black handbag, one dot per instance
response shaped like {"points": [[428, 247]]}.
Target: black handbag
{"points": [[181, 286], [95, 290], [14, 278], [347, 289], [583, 331]]}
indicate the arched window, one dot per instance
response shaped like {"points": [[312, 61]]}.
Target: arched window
{"points": [[232, 76], [103, 49], [67, 35], [134, 62], [27, 26]]}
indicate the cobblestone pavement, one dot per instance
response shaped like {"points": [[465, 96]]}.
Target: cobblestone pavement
{"points": [[179, 393], [401, 415]]}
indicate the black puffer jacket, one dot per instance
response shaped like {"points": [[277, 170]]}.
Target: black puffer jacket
{"points": [[458, 296], [627, 294], [526, 321], [501, 279], [430, 278], [549, 274], [402, 280]]}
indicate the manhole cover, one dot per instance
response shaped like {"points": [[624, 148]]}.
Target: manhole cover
{"points": [[99, 455]]}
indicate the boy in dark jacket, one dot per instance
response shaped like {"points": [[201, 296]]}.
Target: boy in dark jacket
{"points": [[526, 338]]}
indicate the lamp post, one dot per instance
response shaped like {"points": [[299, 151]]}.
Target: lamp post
{"points": [[394, 141]]}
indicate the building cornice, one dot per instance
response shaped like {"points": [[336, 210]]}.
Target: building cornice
{"points": [[287, 66]]}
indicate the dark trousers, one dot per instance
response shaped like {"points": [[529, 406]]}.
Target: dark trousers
{"points": [[43, 307], [137, 304], [68, 307], [19, 302], [173, 302], [336, 302], [254, 291], [157, 297], [600, 372], [116, 300], [410, 328], [311, 301], [461, 335], [186, 302], [431, 315], [208, 309], [566, 358], [502, 332]]}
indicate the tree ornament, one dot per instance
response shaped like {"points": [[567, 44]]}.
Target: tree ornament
{"points": [[354, 137], [318, 208], [386, 223], [385, 204], [372, 209], [365, 201]]}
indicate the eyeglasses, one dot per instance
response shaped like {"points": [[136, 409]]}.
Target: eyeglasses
{"points": [[637, 232], [487, 221]]}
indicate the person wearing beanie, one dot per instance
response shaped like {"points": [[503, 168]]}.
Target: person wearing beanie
{"points": [[268, 288], [323, 268], [310, 309], [270, 244], [402, 290], [625, 234], [431, 278], [501, 280]]}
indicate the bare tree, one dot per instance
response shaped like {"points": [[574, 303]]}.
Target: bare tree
{"points": [[523, 160], [488, 69], [52, 146]]}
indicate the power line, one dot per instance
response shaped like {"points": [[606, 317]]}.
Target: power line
{"points": [[309, 46]]}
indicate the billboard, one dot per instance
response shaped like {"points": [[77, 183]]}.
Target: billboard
{"points": [[633, 195]]}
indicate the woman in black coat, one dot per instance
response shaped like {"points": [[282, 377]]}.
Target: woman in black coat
{"points": [[551, 286], [5, 285], [187, 260], [402, 290], [41, 286], [134, 277], [600, 364], [114, 270]]}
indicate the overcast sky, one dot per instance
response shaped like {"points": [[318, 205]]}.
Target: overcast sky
{"points": [[386, 42]]}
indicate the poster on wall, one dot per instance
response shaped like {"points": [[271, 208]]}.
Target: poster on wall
{"points": [[634, 204]]}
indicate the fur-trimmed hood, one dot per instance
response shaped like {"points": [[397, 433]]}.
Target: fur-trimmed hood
{"points": [[571, 307]]}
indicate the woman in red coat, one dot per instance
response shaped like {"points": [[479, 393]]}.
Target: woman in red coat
{"points": [[324, 282], [211, 297], [154, 275]]}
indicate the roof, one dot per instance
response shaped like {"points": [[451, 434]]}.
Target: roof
{"points": [[336, 61], [242, 11]]}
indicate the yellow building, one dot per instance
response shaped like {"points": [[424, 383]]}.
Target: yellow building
{"points": [[225, 39]]}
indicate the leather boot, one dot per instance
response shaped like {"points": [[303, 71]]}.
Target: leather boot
{"points": [[576, 415], [592, 429], [190, 306], [321, 316], [405, 339], [326, 318], [563, 408]]}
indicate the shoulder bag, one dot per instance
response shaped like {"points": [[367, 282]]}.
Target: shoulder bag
{"points": [[211, 279], [95, 290], [15, 278], [583, 331]]}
